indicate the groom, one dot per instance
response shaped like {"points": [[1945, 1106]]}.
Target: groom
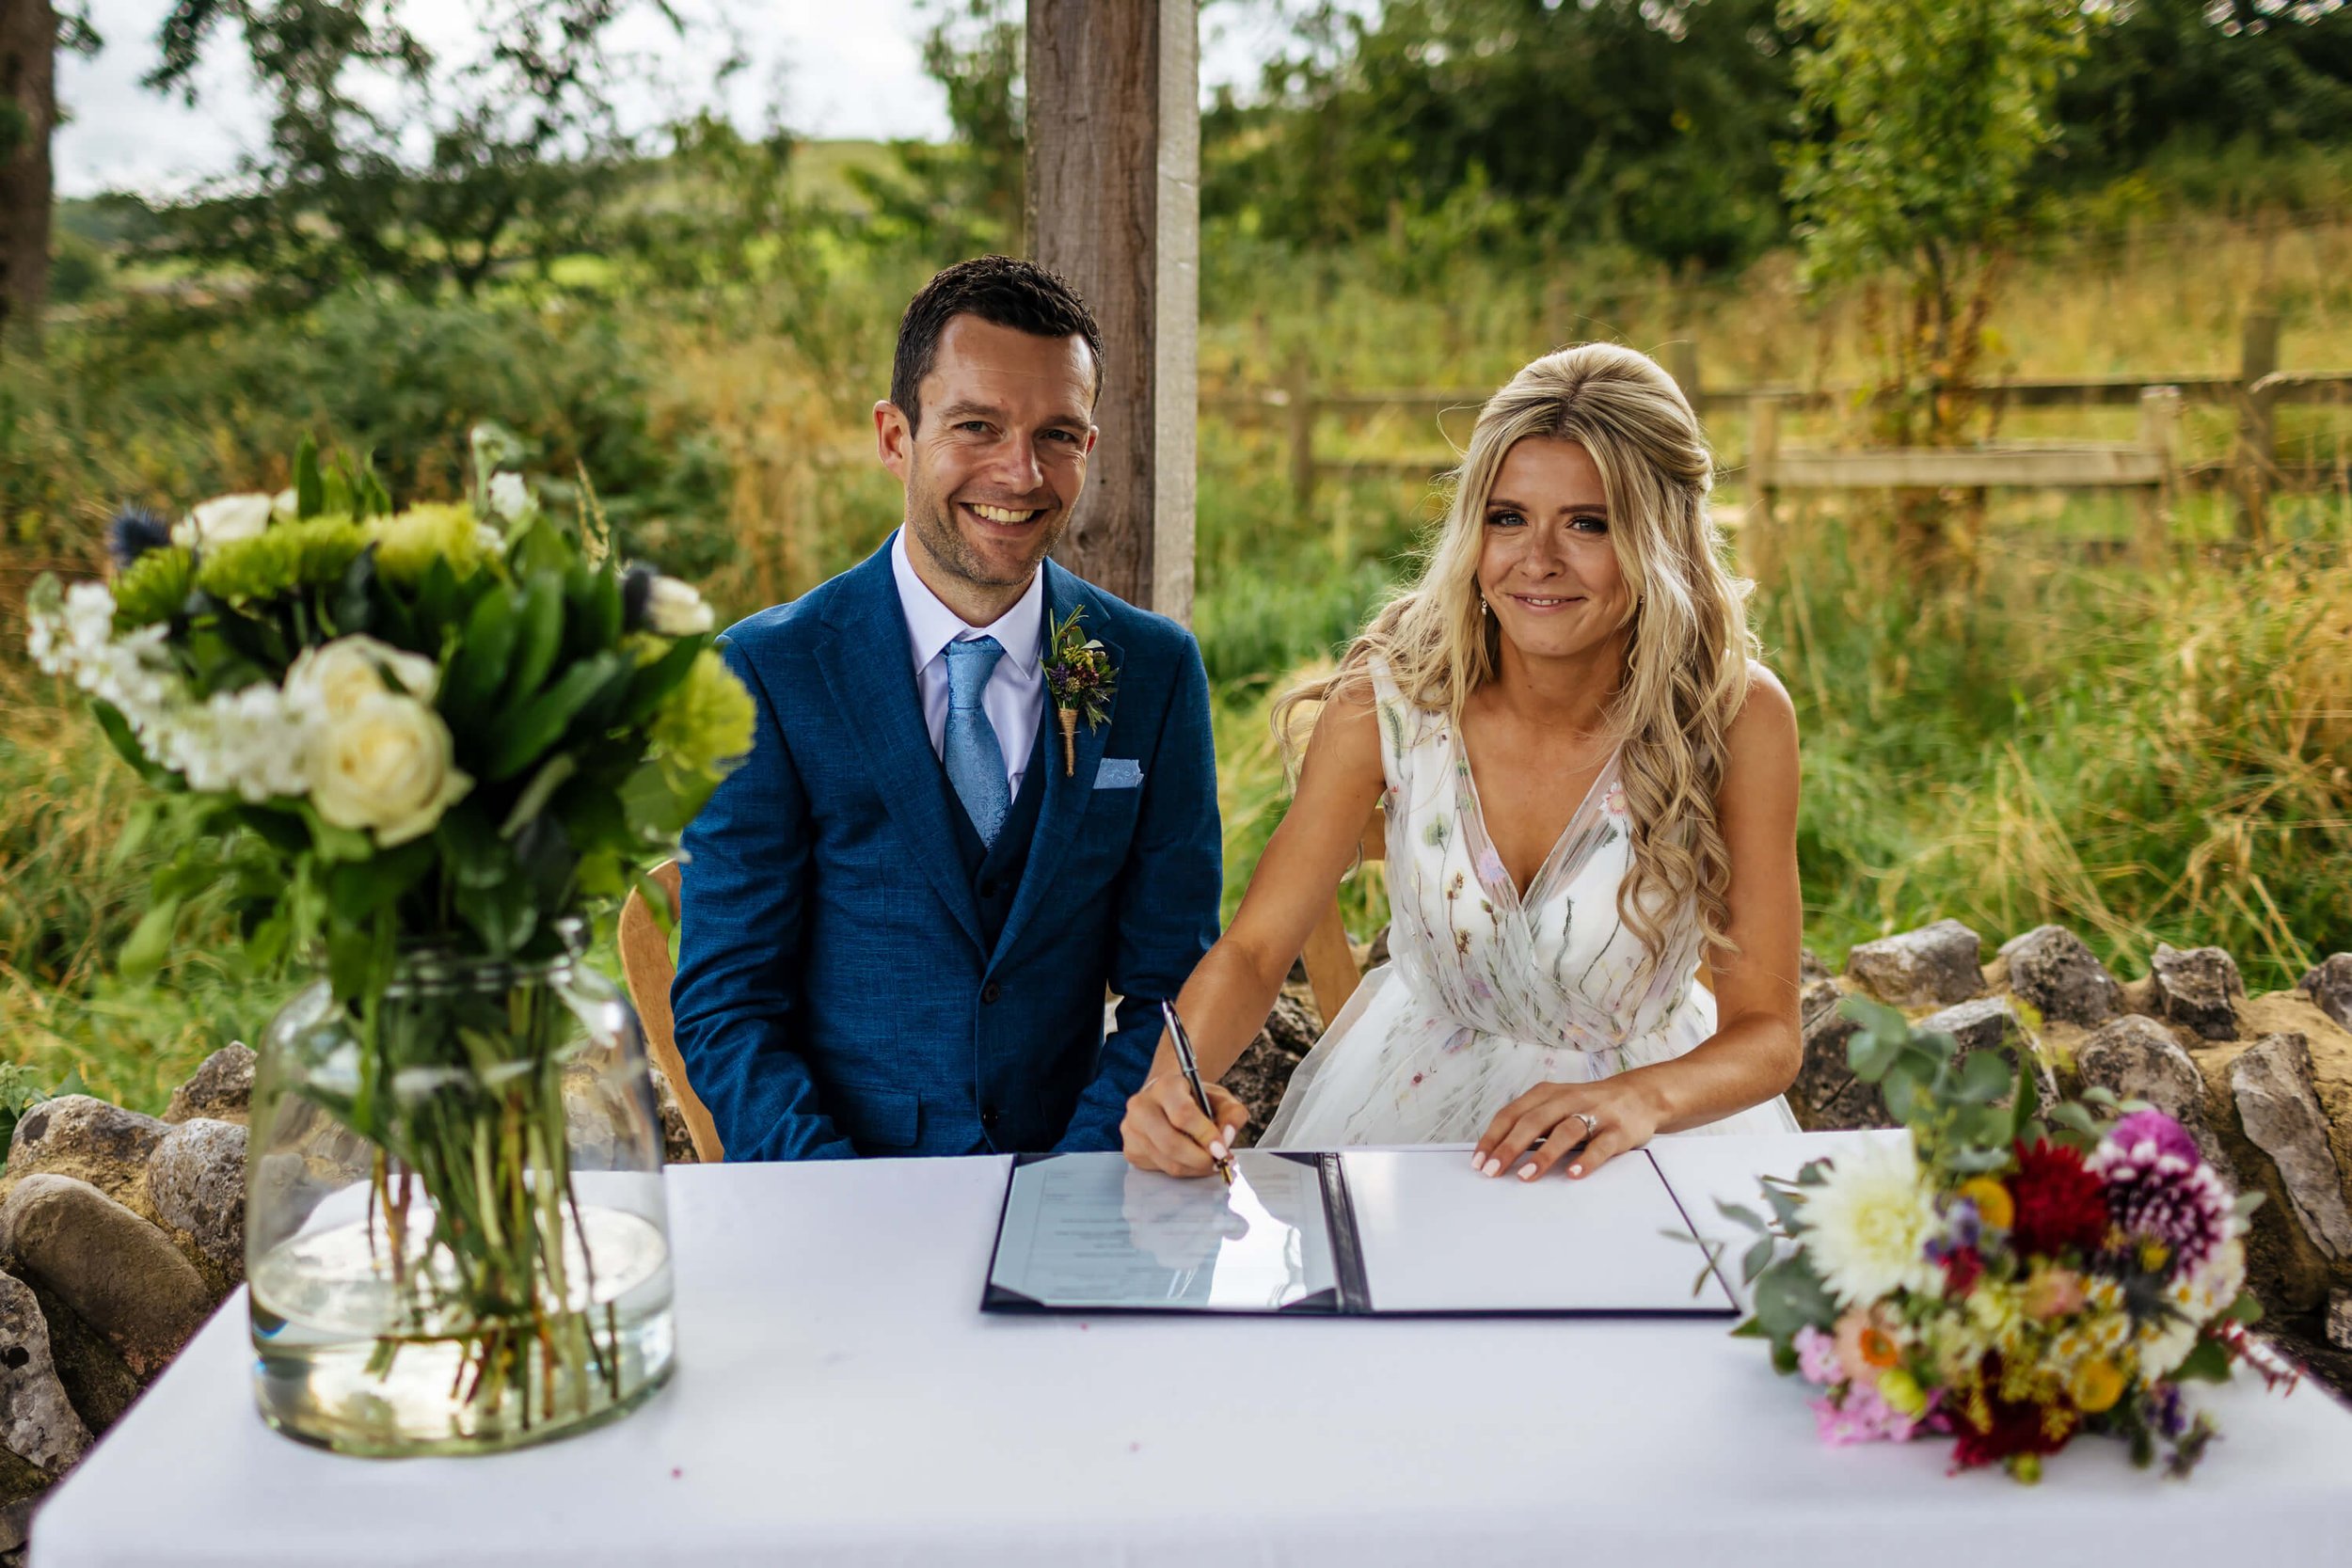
{"points": [[900, 914]]}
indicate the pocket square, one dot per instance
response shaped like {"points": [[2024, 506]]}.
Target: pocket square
{"points": [[1119, 773]]}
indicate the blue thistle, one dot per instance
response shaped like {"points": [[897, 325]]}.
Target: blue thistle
{"points": [[135, 531]]}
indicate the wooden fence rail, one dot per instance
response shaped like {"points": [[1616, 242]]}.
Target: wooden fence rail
{"points": [[2253, 471]]}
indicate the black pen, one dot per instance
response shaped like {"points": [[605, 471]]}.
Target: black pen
{"points": [[1192, 1075]]}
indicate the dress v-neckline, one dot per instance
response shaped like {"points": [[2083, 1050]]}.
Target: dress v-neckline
{"points": [[1485, 849]]}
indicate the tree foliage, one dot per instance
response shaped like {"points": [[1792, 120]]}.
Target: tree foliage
{"points": [[383, 160], [1649, 123]]}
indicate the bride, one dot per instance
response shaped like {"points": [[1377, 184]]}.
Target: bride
{"points": [[1589, 790]]}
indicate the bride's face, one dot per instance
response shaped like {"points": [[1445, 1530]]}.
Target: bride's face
{"points": [[1547, 568]]}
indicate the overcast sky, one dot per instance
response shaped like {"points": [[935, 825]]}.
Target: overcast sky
{"points": [[846, 69]]}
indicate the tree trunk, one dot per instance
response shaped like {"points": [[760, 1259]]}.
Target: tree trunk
{"points": [[28, 111]]}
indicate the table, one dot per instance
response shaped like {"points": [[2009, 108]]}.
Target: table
{"points": [[841, 1400]]}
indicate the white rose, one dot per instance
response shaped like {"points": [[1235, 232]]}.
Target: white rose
{"points": [[387, 765], [332, 680], [223, 518], [509, 496], [673, 609], [285, 506]]}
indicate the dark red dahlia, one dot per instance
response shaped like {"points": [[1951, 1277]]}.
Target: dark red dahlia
{"points": [[2009, 1430], [2059, 1203], [1962, 1268]]}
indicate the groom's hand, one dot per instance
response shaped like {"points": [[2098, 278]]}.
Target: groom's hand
{"points": [[1164, 1130]]}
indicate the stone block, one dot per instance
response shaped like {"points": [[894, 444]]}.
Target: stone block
{"points": [[117, 1273], [220, 1089], [1935, 966], [2329, 987], [2053, 969], [195, 1180], [1827, 1097], [2195, 988], [1986, 1024], [2271, 1083], [2138, 1058], [84, 1137], [38, 1421]]}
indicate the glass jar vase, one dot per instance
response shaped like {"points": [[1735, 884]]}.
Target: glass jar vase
{"points": [[456, 1235]]}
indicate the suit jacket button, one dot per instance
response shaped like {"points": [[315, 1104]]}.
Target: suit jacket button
{"points": [[990, 1117], [991, 991]]}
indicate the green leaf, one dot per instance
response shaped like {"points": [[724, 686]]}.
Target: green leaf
{"points": [[1872, 1054], [655, 681], [1758, 1259], [354, 597], [150, 941], [359, 888], [540, 723], [1985, 1076], [470, 846], [481, 660], [539, 638], [117, 731], [310, 491], [2246, 1309], [2208, 1363], [1741, 1212], [533, 798]]}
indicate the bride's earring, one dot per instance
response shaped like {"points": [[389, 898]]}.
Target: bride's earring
{"points": [[1484, 607]]}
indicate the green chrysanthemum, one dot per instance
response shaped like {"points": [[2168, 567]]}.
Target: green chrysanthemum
{"points": [[153, 587], [408, 545], [703, 725], [284, 559]]}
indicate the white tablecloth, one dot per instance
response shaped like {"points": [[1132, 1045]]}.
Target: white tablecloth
{"points": [[841, 1399]]}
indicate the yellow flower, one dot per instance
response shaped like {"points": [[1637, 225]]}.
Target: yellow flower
{"points": [[408, 545], [1993, 1204], [2097, 1385], [1901, 1392]]}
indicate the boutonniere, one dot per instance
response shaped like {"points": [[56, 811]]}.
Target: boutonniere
{"points": [[1079, 673]]}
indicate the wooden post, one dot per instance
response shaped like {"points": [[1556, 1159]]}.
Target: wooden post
{"points": [[1114, 207], [2257, 429], [1758, 534], [1681, 361], [1298, 387], [2159, 429], [28, 95]]}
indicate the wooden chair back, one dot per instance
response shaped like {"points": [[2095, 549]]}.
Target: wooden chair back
{"points": [[1331, 971], [646, 965]]}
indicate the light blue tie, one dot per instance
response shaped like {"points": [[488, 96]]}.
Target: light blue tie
{"points": [[975, 763]]}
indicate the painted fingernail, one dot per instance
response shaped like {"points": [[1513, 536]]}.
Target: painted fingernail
{"points": [[1527, 1173], [1231, 1133], [1493, 1167], [1216, 1151], [1576, 1170]]}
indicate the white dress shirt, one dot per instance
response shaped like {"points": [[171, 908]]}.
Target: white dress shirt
{"points": [[1015, 695]]}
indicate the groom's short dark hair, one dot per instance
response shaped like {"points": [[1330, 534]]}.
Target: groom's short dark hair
{"points": [[1002, 291]]}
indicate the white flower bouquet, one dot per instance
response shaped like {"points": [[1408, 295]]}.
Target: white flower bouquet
{"points": [[419, 746]]}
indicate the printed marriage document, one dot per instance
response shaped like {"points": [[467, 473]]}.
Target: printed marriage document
{"points": [[1359, 1231]]}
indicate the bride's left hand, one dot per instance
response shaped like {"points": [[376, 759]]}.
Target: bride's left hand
{"points": [[1622, 1111]]}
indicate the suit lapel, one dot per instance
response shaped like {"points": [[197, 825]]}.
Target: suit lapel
{"points": [[1067, 794], [864, 663]]}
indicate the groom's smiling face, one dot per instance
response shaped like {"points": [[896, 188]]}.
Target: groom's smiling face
{"points": [[995, 460]]}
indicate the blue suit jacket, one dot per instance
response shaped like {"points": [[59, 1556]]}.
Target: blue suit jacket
{"points": [[834, 996]]}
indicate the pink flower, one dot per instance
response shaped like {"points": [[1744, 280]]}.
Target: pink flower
{"points": [[1490, 867], [1861, 1417], [1614, 802], [1817, 1357], [1864, 1346]]}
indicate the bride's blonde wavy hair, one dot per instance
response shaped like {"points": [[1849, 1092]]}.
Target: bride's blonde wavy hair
{"points": [[1687, 659]]}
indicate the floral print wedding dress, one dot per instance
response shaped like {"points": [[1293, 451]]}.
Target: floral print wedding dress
{"points": [[1488, 993]]}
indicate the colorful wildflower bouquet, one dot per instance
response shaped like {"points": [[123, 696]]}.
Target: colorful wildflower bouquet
{"points": [[419, 748], [1998, 1278]]}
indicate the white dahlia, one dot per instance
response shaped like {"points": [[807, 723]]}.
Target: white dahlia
{"points": [[1867, 1226]]}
